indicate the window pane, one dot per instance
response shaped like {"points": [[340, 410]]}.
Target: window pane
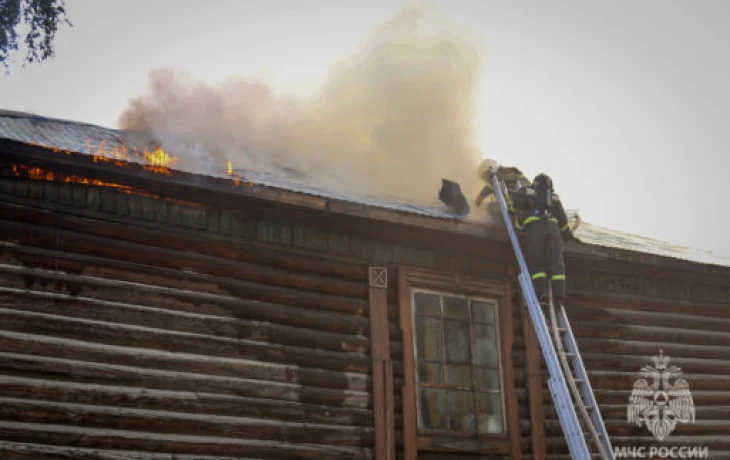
{"points": [[483, 312], [486, 379], [427, 304], [428, 339], [489, 406], [457, 342], [459, 376], [461, 411], [433, 409], [430, 373], [485, 346], [456, 308]]}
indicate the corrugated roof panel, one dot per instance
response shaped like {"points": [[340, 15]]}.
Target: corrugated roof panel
{"points": [[86, 138]]}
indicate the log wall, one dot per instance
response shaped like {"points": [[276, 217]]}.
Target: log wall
{"points": [[119, 339], [622, 317], [155, 327]]}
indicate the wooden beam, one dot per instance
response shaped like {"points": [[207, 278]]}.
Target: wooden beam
{"points": [[534, 388], [384, 408], [510, 397], [410, 435]]}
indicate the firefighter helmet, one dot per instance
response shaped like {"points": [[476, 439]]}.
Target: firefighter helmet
{"points": [[486, 168]]}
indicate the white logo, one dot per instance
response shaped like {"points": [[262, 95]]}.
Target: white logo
{"points": [[658, 402]]}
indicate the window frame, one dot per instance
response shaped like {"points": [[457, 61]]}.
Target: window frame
{"points": [[411, 279], [446, 387]]}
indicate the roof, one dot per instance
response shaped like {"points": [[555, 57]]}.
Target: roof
{"points": [[89, 139]]}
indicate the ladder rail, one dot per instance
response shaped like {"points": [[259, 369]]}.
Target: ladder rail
{"points": [[578, 393], [557, 384], [587, 390]]}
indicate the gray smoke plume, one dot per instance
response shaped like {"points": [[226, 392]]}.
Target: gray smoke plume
{"points": [[391, 121]]}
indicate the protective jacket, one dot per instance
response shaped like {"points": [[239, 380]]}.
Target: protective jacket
{"points": [[543, 233]]}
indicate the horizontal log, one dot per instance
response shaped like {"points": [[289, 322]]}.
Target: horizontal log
{"points": [[624, 316], [600, 301], [649, 333], [184, 242], [689, 366], [20, 365], [172, 443], [146, 420], [28, 451], [183, 256], [712, 454], [214, 304], [175, 278], [176, 320], [618, 411], [620, 380], [180, 401], [180, 361], [161, 339], [721, 443], [620, 427], [646, 349], [617, 397], [616, 381]]}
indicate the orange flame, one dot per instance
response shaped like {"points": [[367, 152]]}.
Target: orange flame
{"points": [[37, 173]]}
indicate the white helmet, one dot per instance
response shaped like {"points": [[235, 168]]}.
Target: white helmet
{"points": [[486, 168]]}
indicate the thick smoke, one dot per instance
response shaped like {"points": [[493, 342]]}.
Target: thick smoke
{"points": [[390, 121]]}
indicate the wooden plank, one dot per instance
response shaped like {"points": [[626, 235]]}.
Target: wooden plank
{"points": [[507, 335], [29, 451], [382, 378], [605, 301], [175, 239], [180, 321], [180, 361], [534, 387], [237, 306], [88, 437], [96, 416], [145, 254], [161, 339], [199, 402], [621, 316], [29, 366], [410, 439]]}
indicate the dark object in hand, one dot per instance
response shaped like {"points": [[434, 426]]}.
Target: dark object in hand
{"points": [[452, 196], [567, 235]]}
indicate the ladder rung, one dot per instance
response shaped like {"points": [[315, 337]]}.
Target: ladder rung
{"points": [[578, 380]]}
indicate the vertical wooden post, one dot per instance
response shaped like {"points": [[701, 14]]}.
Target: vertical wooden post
{"points": [[410, 439], [382, 366], [510, 396], [534, 386]]}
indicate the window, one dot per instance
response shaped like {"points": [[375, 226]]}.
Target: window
{"points": [[458, 378]]}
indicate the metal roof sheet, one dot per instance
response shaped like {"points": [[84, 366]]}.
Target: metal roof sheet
{"points": [[86, 138]]}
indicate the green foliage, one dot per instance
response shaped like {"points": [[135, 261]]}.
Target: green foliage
{"points": [[38, 20]]}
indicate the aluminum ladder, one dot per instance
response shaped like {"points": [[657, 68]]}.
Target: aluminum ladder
{"points": [[572, 394]]}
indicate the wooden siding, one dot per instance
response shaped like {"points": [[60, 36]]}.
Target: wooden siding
{"points": [[151, 327], [117, 339], [178, 310], [618, 333]]}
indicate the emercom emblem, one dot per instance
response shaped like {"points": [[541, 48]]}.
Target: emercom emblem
{"points": [[661, 399]]}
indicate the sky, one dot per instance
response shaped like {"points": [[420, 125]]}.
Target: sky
{"points": [[623, 103]]}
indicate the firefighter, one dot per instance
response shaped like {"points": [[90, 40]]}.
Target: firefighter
{"points": [[545, 226], [540, 215]]}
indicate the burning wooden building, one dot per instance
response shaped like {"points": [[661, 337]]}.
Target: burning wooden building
{"points": [[156, 314]]}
